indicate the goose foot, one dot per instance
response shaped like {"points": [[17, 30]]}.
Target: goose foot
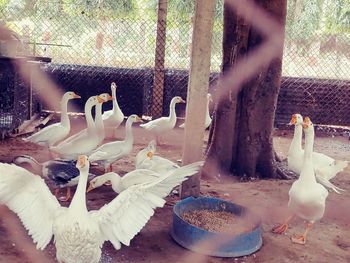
{"points": [[281, 229], [299, 239], [67, 197]]}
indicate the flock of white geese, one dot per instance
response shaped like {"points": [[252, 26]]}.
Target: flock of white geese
{"points": [[78, 233]]}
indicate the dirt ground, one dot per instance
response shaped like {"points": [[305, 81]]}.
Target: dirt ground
{"points": [[328, 241]]}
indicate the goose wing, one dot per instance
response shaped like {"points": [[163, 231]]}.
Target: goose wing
{"points": [[107, 151], [155, 123], [29, 197], [46, 133], [127, 214], [138, 176]]}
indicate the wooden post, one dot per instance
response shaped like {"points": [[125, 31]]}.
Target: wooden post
{"points": [[158, 79], [198, 84]]}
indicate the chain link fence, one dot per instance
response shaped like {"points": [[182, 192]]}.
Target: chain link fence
{"points": [[316, 62], [146, 51]]}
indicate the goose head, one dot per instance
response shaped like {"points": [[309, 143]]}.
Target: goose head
{"points": [[151, 146], [102, 179], [150, 155], [297, 119], [134, 118], [83, 164], [308, 126], [94, 100], [177, 99], [25, 160], [105, 97], [70, 95], [151, 149], [113, 86], [22, 159]]}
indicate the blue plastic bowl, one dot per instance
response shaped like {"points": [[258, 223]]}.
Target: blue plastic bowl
{"points": [[190, 236]]}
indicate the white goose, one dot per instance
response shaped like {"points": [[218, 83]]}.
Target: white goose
{"points": [[307, 198], [164, 124], [78, 233], [325, 167], [207, 114], [113, 151], [121, 183], [58, 131], [85, 142], [113, 118], [145, 159], [98, 121]]}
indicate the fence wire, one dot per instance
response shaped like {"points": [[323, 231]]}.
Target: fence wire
{"points": [[92, 43]]}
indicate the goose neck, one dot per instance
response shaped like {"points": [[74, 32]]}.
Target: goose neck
{"points": [[89, 120], [172, 114], [307, 171], [297, 138], [128, 131], [78, 203], [115, 102], [207, 110], [114, 178], [64, 113], [99, 122], [34, 163]]}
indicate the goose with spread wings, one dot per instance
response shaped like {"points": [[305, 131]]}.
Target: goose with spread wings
{"points": [[78, 233]]}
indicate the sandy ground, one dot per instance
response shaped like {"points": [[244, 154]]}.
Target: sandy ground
{"points": [[329, 240]]}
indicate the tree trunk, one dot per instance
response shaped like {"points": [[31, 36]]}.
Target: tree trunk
{"points": [[240, 140], [158, 79], [198, 84]]}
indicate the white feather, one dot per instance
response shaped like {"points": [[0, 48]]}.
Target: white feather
{"points": [[128, 213], [29, 197]]}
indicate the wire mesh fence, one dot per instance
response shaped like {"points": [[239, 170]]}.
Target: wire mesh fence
{"points": [[95, 38], [18, 101]]}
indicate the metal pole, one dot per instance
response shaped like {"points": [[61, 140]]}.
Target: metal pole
{"points": [[197, 91]]}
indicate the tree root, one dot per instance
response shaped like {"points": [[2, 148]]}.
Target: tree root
{"points": [[283, 172], [277, 158]]}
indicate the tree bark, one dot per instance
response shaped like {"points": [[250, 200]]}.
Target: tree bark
{"points": [[240, 140], [198, 84], [158, 79]]}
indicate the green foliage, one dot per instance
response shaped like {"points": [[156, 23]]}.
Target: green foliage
{"points": [[306, 23], [106, 8], [3, 4], [337, 17], [307, 19], [48, 9]]}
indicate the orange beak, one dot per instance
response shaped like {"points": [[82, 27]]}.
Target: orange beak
{"points": [[150, 155], [306, 122], [81, 160], [76, 96], [110, 97], [138, 119], [90, 188], [293, 120]]}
